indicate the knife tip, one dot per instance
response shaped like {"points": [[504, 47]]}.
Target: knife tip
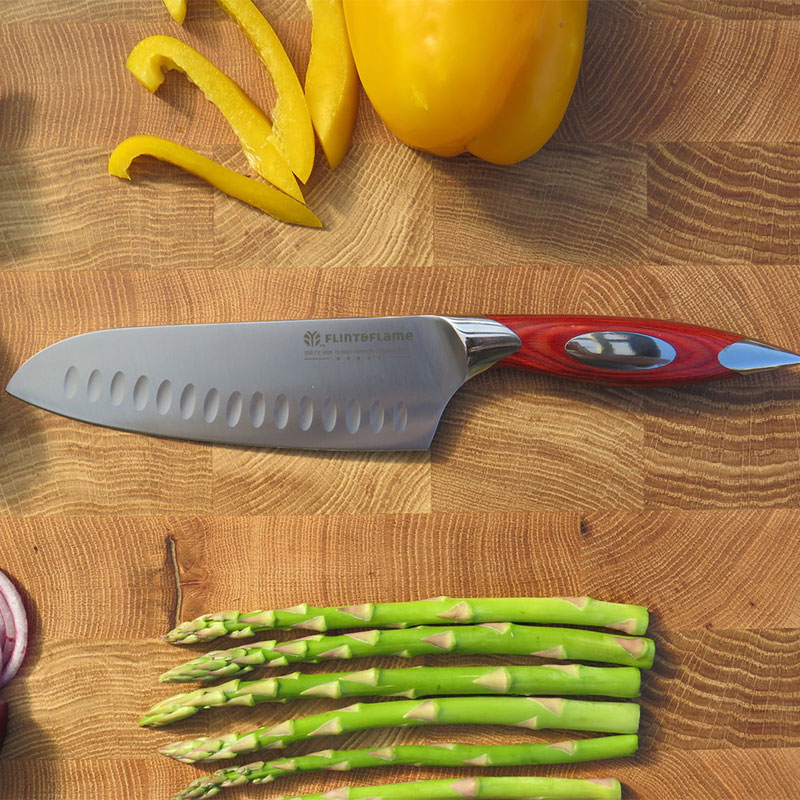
{"points": [[12, 387]]}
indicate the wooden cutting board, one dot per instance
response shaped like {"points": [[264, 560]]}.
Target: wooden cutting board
{"points": [[671, 190]]}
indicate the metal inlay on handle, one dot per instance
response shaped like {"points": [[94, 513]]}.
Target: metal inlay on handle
{"points": [[620, 350]]}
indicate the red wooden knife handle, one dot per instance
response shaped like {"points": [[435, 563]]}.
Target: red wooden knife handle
{"points": [[544, 340]]}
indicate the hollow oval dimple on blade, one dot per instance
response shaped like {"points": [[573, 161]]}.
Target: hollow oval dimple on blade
{"points": [[117, 388], [211, 405], [94, 386], [376, 417], [164, 397], [258, 410], [400, 417], [233, 411], [353, 416], [141, 392], [305, 412], [188, 401], [71, 383], [281, 412], [329, 414]]}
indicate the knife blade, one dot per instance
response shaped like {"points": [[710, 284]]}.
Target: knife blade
{"points": [[364, 383]]}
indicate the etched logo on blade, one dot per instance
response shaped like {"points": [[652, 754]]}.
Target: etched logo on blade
{"points": [[357, 345]]}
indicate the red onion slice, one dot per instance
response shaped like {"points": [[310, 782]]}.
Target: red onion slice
{"points": [[6, 632], [2, 640], [20, 627]]}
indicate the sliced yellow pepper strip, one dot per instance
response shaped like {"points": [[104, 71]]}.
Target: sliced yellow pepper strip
{"points": [[153, 56], [292, 134], [332, 85], [232, 183], [177, 10], [540, 94]]}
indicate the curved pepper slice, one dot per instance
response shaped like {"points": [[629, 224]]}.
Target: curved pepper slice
{"points": [[153, 56], [232, 183], [177, 10], [541, 92], [332, 85], [292, 133]]}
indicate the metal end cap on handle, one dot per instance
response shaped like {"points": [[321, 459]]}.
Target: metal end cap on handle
{"points": [[748, 355]]}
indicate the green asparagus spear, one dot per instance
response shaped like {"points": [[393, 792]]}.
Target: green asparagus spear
{"points": [[524, 712], [441, 755], [558, 679], [479, 788], [491, 638], [436, 611], [516, 788]]}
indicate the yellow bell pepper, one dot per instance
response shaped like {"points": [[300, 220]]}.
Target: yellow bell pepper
{"points": [[489, 76], [153, 56], [332, 87], [232, 183], [542, 90]]}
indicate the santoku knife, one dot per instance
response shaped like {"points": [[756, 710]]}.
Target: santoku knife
{"points": [[377, 383]]}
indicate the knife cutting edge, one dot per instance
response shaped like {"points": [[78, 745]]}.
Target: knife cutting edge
{"points": [[364, 383]]}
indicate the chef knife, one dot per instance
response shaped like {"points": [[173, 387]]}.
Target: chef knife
{"points": [[377, 383]]}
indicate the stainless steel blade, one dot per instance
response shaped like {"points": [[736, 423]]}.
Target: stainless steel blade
{"points": [[343, 384]]}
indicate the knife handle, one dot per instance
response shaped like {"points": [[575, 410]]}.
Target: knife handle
{"points": [[618, 350]]}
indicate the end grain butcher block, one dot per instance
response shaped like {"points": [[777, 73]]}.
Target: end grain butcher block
{"points": [[670, 191]]}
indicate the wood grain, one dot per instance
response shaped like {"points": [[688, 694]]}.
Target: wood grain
{"points": [[669, 191], [675, 551], [687, 709], [723, 9], [596, 191], [402, 556], [249, 481], [532, 471], [384, 183], [731, 202], [653, 78]]}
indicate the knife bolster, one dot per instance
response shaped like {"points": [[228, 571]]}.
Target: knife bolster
{"points": [[486, 341]]}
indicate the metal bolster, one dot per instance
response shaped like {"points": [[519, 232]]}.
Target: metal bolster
{"points": [[486, 341]]}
